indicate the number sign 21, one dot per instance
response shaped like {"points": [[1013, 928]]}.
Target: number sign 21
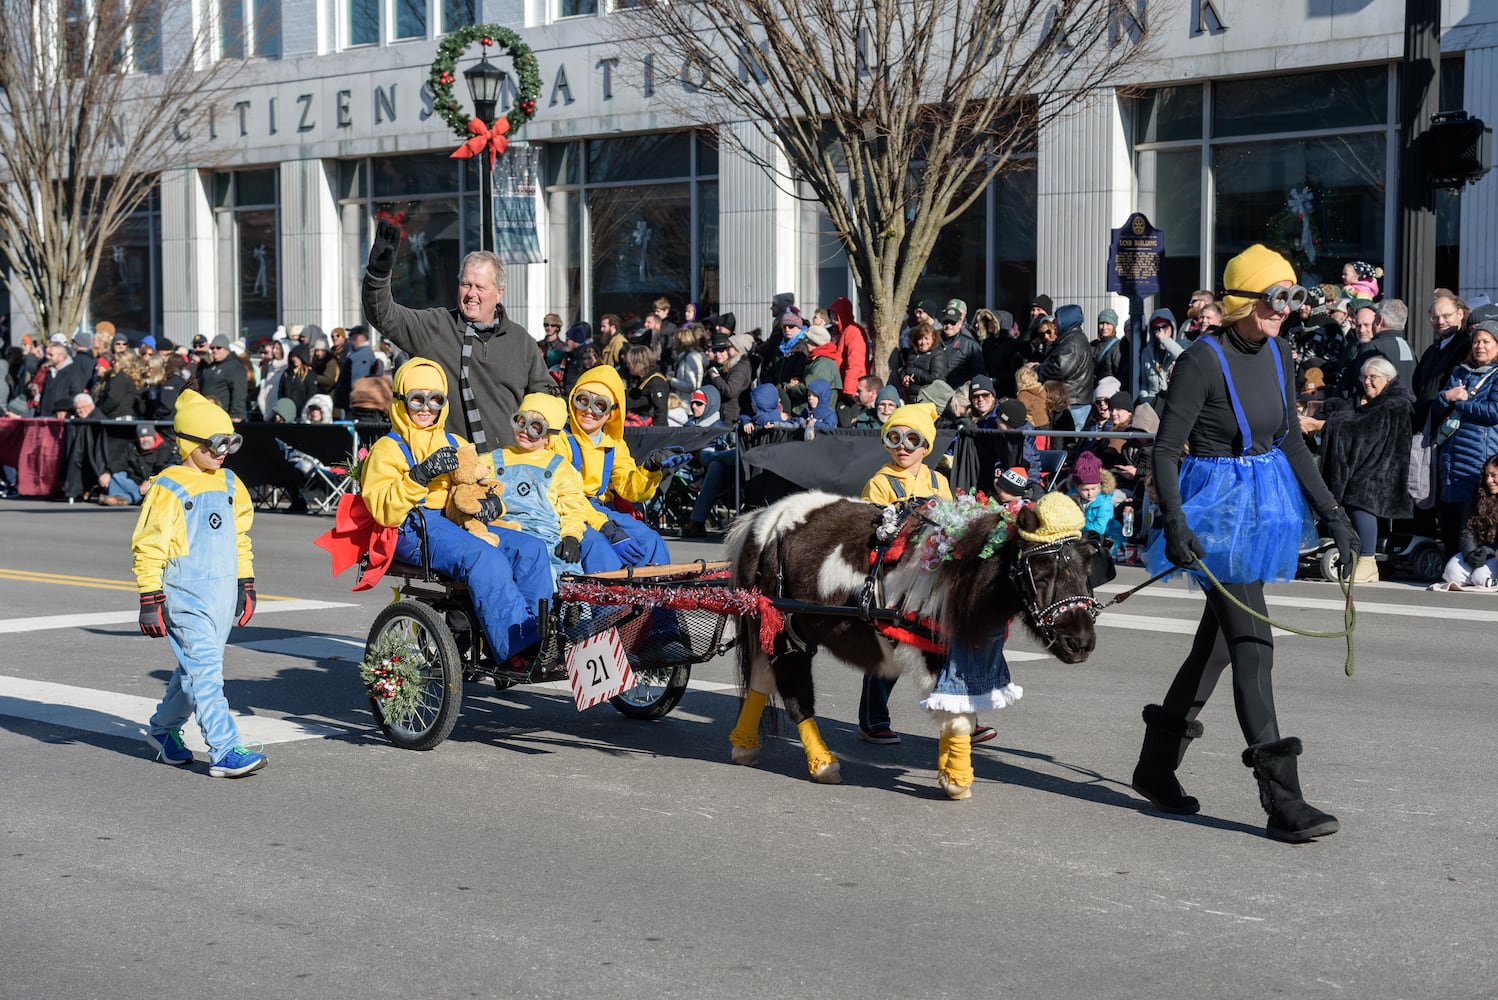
{"points": [[598, 670]]}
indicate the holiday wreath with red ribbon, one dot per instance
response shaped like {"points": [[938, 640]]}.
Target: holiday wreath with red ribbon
{"points": [[479, 135]]}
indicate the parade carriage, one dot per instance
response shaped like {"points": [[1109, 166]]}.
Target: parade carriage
{"points": [[661, 615]]}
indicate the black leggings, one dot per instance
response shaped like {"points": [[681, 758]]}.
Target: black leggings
{"points": [[1229, 635], [1366, 525]]}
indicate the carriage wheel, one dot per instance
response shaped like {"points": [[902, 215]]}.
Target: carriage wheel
{"points": [[655, 693], [442, 679]]}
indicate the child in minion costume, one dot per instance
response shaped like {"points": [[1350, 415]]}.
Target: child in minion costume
{"points": [[196, 577], [406, 476], [543, 492], [594, 445]]}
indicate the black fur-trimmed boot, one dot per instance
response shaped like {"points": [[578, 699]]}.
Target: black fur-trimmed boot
{"points": [[1166, 738], [1291, 818]]}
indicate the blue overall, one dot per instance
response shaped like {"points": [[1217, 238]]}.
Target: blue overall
{"points": [[528, 501], [508, 621], [201, 589], [598, 555]]}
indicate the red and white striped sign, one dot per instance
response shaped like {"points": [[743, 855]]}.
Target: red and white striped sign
{"points": [[598, 669]]}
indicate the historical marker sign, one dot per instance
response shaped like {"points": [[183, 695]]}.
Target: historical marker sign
{"points": [[1134, 257]]}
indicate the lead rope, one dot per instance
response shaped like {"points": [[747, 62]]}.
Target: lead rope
{"points": [[1349, 611]]}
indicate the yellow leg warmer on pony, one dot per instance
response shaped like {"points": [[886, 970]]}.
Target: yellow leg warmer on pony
{"points": [[819, 760], [746, 732], [954, 763]]}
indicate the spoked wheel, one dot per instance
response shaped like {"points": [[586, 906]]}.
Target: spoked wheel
{"points": [[655, 694], [436, 711]]}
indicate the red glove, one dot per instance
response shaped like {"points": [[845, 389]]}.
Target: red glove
{"points": [[153, 614], [246, 606]]}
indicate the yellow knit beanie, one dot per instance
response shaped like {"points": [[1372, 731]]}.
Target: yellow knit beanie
{"points": [[1060, 517], [919, 417], [549, 406], [1253, 270], [199, 417]]}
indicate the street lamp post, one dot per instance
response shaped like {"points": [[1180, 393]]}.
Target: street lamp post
{"points": [[485, 81]]}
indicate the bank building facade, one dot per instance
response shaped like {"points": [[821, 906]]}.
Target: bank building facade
{"points": [[1242, 109]]}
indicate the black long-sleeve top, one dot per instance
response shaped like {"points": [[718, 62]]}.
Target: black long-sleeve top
{"points": [[1198, 412]]}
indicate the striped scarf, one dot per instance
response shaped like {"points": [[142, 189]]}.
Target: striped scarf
{"points": [[476, 434]]}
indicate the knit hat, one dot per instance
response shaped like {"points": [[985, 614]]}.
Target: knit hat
{"points": [[742, 341], [1044, 302], [1121, 401], [1106, 387], [919, 417], [980, 383], [1253, 270], [1060, 518], [1108, 316], [938, 394], [729, 322], [549, 406], [84, 340], [104, 328], [818, 335], [890, 393], [197, 417], [1012, 413], [1365, 270], [285, 408], [579, 333], [1088, 471], [1014, 481], [220, 341], [148, 341], [791, 317], [551, 319]]}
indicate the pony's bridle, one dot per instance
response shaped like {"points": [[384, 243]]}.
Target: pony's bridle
{"points": [[1044, 619]]}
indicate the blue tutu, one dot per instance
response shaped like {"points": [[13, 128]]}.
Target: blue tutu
{"points": [[1248, 513], [974, 679]]}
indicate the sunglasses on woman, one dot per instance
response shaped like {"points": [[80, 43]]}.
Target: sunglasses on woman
{"points": [[583, 402], [905, 438], [1278, 298], [422, 400], [534, 428], [217, 444]]}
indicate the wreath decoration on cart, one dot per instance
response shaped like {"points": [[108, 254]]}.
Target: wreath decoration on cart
{"points": [[444, 74], [392, 674]]}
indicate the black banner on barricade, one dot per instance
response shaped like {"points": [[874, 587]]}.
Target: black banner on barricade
{"points": [[261, 462], [837, 461], [643, 440]]}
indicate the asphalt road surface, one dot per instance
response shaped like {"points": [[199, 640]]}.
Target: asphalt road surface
{"points": [[542, 852]]}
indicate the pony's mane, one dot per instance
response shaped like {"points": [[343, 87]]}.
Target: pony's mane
{"points": [[965, 593]]}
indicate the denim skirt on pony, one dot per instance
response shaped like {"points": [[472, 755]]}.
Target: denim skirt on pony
{"points": [[1249, 514]]}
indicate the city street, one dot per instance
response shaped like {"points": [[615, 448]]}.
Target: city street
{"points": [[542, 852]]}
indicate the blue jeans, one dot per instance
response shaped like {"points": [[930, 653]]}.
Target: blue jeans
{"points": [[654, 546], [121, 485], [718, 465], [873, 706]]}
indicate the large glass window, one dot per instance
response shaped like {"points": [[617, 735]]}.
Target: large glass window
{"points": [[247, 212], [258, 34], [364, 22], [1296, 162], [576, 8], [370, 22], [127, 287], [632, 219], [434, 199]]}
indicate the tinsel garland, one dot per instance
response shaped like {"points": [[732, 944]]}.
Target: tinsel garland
{"points": [[715, 600]]}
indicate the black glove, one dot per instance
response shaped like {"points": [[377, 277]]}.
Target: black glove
{"points": [[1476, 557], [1181, 546], [569, 550], [665, 458], [382, 252], [153, 614], [245, 606], [442, 460], [1339, 525], [491, 508]]}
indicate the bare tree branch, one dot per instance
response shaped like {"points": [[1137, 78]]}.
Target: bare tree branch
{"points": [[94, 103], [896, 114]]}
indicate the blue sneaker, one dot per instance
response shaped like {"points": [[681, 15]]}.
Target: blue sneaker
{"points": [[170, 748], [237, 763]]}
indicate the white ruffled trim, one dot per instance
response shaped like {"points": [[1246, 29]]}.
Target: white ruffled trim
{"points": [[964, 703]]}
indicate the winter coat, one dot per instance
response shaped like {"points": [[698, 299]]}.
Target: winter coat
{"points": [[117, 397], [1116, 361], [923, 368], [1002, 356], [823, 364], [853, 348], [732, 382], [646, 400], [1365, 452], [297, 386], [686, 376], [1070, 361], [61, 385], [227, 384], [1434, 371], [964, 358], [1157, 358], [1459, 461]]}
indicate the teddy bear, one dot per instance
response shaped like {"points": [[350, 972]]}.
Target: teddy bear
{"points": [[470, 487]]}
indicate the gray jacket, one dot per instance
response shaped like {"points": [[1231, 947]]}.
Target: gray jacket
{"points": [[506, 364]]}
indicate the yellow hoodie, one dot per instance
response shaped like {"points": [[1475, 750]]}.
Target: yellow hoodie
{"points": [[627, 480], [388, 492], [565, 491]]}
